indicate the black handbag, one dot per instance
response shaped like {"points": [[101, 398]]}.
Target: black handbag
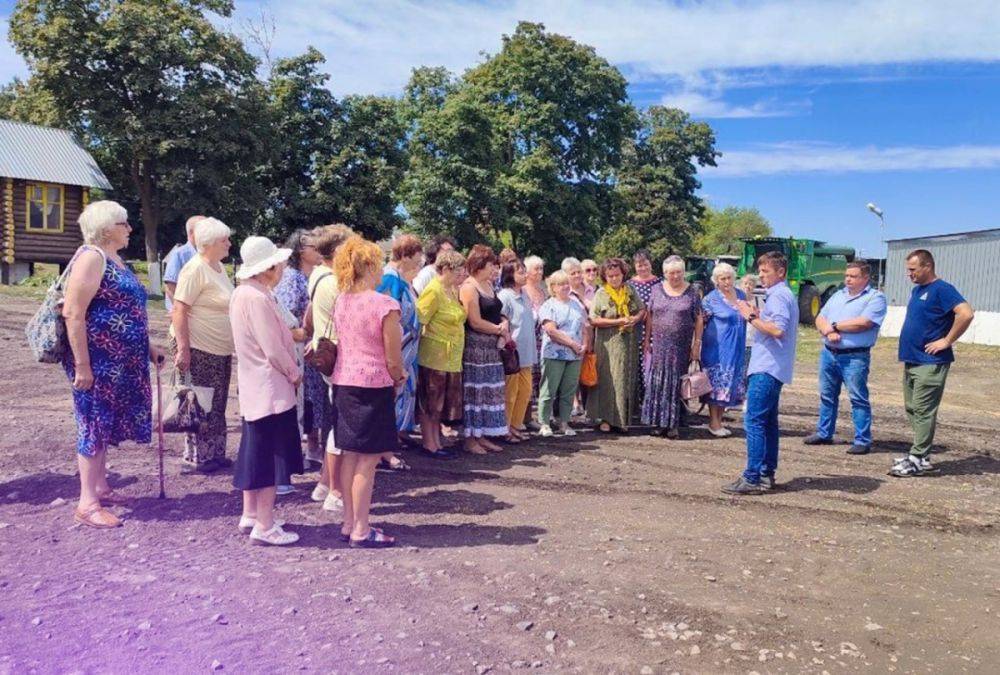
{"points": [[510, 359]]}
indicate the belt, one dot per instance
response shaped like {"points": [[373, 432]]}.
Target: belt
{"points": [[849, 350]]}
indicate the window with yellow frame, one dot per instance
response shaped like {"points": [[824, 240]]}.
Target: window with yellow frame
{"points": [[45, 207]]}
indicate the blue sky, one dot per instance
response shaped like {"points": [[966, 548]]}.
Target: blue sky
{"points": [[819, 107]]}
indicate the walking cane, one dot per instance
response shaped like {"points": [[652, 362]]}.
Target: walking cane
{"points": [[159, 423]]}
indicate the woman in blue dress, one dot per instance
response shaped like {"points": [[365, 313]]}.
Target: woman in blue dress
{"points": [[722, 349], [407, 257], [108, 357]]}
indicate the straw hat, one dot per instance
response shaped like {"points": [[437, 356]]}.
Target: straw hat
{"points": [[259, 254]]}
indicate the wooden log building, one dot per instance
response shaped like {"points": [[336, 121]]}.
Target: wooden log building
{"points": [[45, 182]]}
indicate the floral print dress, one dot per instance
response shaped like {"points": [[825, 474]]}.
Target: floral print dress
{"points": [[118, 406]]}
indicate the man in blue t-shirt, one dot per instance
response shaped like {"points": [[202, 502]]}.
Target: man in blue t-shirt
{"points": [[936, 316], [175, 261]]}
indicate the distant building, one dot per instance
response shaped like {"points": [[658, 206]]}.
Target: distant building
{"points": [[968, 260], [45, 182]]}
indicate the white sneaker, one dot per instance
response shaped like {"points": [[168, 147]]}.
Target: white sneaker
{"points": [[320, 492], [721, 432], [568, 431], [247, 523], [284, 489], [273, 537], [545, 431], [333, 503]]}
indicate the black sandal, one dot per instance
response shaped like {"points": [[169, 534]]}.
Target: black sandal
{"points": [[375, 539]]}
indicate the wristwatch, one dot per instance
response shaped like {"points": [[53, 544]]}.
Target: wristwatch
{"points": [[753, 317], [834, 327]]}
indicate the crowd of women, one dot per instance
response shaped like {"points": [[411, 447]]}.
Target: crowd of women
{"points": [[431, 345]]}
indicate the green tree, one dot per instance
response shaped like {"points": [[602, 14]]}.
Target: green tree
{"points": [[722, 230], [656, 204], [28, 102], [523, 149], [358, 183], [302, 113], [170, 103]]}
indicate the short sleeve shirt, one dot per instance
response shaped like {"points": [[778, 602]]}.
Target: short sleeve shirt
{"points": [[930, 315], [517, 309], [323, 289], [771, 355], [207, 293], [174, 263], [869, 303], [570, 318], [360, 348]]}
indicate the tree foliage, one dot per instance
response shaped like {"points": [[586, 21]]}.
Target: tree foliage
{"points": [[169, 101], [657, 205], [722, 230], [537, 146]]}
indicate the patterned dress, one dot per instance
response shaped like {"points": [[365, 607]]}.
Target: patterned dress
{"points": [[722, 352], [671, 320], [644, 289], [394, 286], [293, 293], [117, 407]]}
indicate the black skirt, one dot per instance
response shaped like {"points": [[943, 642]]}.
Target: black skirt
{"points": [[271, 438], [364, 419]]}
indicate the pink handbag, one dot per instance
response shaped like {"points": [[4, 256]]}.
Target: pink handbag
{"points": [[696, 383]]}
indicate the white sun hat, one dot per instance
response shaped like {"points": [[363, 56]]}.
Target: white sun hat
{"points": [[259, 254]]}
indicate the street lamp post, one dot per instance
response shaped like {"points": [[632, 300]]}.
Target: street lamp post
{"points": [[881, 218]]}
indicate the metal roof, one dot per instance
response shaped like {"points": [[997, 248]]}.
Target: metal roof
{"points": [[950, 235], [31, 152]]}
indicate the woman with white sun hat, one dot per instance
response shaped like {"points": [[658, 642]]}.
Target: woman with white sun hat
{"points": [[267, 375]]}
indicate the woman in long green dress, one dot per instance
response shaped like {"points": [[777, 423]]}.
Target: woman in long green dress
{"points": [[614, 313]]}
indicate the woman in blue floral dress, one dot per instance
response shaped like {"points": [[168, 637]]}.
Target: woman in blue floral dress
{"points": [[722, 355], [407, 256], [643, 284], [108, 359], [293, 294]]}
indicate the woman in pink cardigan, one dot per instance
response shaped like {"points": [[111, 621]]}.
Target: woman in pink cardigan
{"points": [[268, 374]]}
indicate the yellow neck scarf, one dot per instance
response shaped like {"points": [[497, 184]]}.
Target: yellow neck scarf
{"points": [[619, 298]]}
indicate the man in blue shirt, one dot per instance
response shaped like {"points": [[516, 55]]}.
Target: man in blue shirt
{"points": [[772, 361], [936, 316], [176, 260], [849, 323]]}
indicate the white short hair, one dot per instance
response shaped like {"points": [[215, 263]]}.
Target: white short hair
{"points": [[191, 222], [674, 262], [569, 264], [591, 261], [722, 269], [99, 217], [208, 231], [533, 261]]}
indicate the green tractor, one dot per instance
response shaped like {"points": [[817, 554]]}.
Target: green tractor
{"points": [[699, 270], [815, 268]]}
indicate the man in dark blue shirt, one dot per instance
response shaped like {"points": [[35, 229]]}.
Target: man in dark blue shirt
{"points": [[936, 316]]}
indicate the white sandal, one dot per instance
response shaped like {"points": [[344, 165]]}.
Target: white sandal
{"points": [[273, 537], [247, 523]]}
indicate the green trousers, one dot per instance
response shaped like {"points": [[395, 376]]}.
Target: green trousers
{"points": [[560, 379], [923, 386]]}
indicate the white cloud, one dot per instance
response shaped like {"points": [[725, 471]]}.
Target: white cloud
{"points": [[373, 45], [800, 157]]}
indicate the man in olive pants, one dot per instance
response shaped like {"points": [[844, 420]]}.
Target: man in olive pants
{"points": [[936, 316]]}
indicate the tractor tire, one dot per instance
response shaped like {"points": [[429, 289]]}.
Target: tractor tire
{"points": [[699, 288], [809, 305]]}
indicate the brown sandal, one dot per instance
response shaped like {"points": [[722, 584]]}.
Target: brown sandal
{"points": [[97, 517], [113, 498]]}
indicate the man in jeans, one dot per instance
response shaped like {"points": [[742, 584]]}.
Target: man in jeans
{"points": [[849, 323], [936, 316], [772, 360]]}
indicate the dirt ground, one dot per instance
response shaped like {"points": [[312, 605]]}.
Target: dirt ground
{"points": [[593, 554]]}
